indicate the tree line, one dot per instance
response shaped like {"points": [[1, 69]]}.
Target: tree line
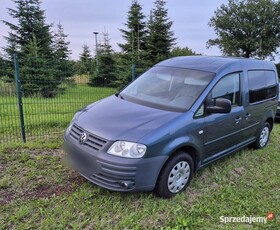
{"points": [[44, 55], [247, 28]]}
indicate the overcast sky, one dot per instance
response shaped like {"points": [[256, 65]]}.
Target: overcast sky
{"points": [[81, 18]]}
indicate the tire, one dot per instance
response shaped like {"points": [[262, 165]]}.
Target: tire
{"points": [[175, 175], [263, 137]]}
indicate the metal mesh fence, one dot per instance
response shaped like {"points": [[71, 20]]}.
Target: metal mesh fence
{"points": [[40, 101]]}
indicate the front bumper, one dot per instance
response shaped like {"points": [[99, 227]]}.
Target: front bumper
{"points": [[112, 172]]}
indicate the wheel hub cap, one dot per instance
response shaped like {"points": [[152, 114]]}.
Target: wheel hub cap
{"points": [[264, 136], [178, 176]]}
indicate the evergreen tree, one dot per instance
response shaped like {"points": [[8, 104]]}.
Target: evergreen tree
{"points": [[6, 71], [2, 64], [124, 70], [160, 37], [60, 45], [107, 70], [32, 39], [31, 20], [86, 61], [37, 75], [135, 34], [134, 50], [62, 53]]}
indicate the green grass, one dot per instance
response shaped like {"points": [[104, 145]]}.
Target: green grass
{"points": [[38, 192], [45, 117]]}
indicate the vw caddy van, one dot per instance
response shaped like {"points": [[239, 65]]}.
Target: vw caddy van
{"points": [[179, 116]]}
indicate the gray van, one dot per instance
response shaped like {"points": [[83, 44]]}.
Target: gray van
{"points": [[179, 116]]}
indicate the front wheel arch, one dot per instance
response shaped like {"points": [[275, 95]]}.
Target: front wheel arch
{"points": [[189, 149]]}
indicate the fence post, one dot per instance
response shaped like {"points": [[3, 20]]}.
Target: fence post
{"points": [[133, 72], [20, 105]]}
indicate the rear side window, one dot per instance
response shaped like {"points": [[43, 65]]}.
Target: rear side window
{"points": [[262, 85]]}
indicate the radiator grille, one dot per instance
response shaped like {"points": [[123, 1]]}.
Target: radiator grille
{"points": [[92, 141]]}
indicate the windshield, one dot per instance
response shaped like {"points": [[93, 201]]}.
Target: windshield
{"points": [[168, 88]]}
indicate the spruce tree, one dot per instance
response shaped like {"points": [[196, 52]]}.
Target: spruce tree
{"points": [[107, 70], [86, 61], [31, 38], [30, 20], [134, 50], [160, 36], [38, 78], [62, 53], [60, 45], [135, 34], [3, 69]]}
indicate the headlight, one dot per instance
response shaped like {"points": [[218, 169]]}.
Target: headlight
{"points": [[127, 149]]}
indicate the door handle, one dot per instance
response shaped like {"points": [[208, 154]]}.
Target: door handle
{"points": [[238, 119], [247, 116]]}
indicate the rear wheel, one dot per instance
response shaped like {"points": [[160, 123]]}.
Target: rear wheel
{"points": [[263, 137], [175, 175]]}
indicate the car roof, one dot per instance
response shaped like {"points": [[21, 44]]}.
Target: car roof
{"points": [[216, 64]]}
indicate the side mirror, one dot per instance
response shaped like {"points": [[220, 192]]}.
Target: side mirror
{"points": [[221, 105]]}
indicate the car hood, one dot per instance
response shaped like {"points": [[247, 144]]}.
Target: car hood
{"points": [[116, 119]]}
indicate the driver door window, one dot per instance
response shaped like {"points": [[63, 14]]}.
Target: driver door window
{"points": [[228, 88]]}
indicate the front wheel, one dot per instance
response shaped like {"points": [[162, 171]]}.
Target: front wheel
{"points": [[263, 137], [175, 175]]}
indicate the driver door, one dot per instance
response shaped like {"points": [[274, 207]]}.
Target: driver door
{"points": [[221, 130]]}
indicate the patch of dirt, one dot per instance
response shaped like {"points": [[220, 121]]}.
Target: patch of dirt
{"points": [[77, 179], [192, 194], [238, 171], [2, 167], [46, 152], [6, 197], [43, 191], [35, 152], [47, 191]]}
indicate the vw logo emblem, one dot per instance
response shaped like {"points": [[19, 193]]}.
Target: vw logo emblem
{"points": [[83, 138]]}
